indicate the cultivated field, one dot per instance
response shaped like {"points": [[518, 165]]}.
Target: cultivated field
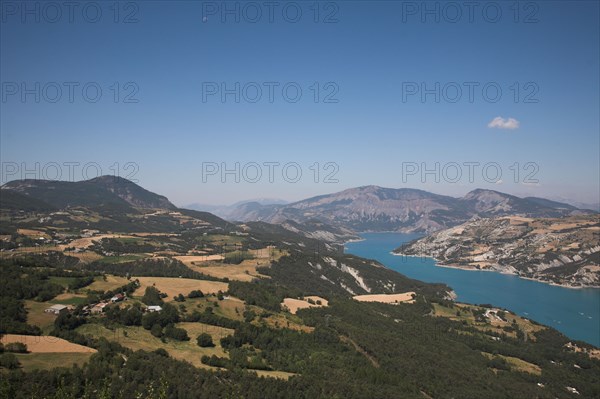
{"points": [[406, 297], [173, 286], [244, 271], [46, 344], [111, 283], [294, 305]]}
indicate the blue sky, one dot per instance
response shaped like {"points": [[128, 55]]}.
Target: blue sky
{"points": [[545, 60]]}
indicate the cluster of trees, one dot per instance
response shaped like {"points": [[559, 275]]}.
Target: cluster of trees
{"points": [[150, 375], [161, 324], [176, 333], [9, 361], [209, 317], [153, 297], [237, 257], [52, 260], [179, 298], [239, 358], [128, 316], [122, 246], [204, 340], [66, 324], [14, 347], [266, 295], [196, 294], [13, 317], [26, 284], [17, 285], [28, 277], [80, 282]]}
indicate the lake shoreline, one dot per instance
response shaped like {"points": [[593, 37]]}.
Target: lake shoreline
{"points": [[574, 312], [474, 269]]}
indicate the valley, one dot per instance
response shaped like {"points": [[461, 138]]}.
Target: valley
{"points": [[257, 305]]}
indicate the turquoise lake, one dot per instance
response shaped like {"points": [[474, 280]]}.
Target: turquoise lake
{"points": [[574, 312]]}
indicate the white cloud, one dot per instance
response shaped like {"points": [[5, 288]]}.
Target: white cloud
{"points": [[499, 181], [501, 123]]}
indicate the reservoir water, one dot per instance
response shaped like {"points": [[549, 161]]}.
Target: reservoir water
{"points": [[574, 312]]}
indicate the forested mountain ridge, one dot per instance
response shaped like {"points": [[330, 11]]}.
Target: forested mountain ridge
{"points": [[99, 191]]}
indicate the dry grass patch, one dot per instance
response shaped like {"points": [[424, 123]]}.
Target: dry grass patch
{"points": [[293, 305], [517, 364], [195, 329], [406, 297], [191, 260], [593, 353], [88, 241], [173, 286], [111, 283], [245, 271], [230, 307], [48, 361], [136, 338], [33, 233], [42, 249], [493, 325], [85, 256], [155, 234], [68, 299], [46, 344], [519, 220], [282, 375], [36, 315], [281, 321]]}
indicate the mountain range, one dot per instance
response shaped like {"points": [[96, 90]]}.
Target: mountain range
{"points": [[230, 212], [373, 208], [333, 217]]}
